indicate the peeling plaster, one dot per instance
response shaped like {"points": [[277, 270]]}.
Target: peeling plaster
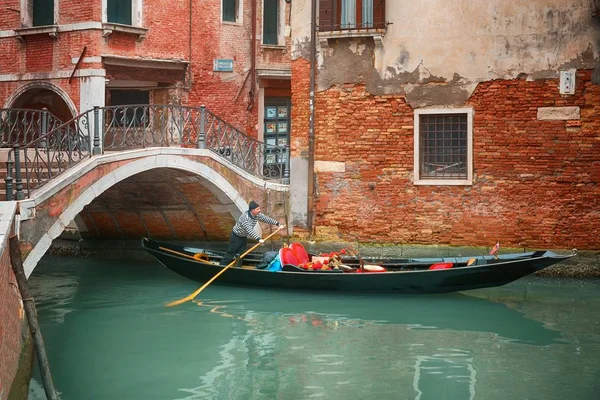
{"points": [[440, 59]]}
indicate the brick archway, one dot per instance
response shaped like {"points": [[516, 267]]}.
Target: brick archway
{"points": [[46, 214], [39, 95]]}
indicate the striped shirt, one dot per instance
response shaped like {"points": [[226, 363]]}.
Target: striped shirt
{"points": [[245, 225]]}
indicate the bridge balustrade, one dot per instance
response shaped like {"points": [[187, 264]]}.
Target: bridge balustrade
{"points": [[22, 126], [119, 128]]}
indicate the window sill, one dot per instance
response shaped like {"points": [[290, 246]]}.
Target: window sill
{"points": [[233, 23], [443, 182], [376, 34], [109, 28], [51, 30], [273, 47]]}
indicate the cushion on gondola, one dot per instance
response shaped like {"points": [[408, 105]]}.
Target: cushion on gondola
{"points": [[287, 256], [441, 266], [300, 253]]}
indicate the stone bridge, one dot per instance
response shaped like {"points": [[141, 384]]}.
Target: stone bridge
{"points": [[168, 192], [164, 171]]}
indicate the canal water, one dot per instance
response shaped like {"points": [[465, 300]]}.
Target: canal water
{"points": [[108, 335]]}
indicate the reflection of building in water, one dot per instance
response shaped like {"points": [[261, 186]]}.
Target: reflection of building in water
{"points": [[247, 367], [449, 373]]}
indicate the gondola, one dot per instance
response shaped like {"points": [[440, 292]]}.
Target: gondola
{"points": [[409, 275]]}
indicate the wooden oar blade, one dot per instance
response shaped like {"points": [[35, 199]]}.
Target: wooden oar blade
{"points": [[178, 302]]}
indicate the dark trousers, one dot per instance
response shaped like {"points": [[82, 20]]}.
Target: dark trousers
{"points": [[236, 243]]}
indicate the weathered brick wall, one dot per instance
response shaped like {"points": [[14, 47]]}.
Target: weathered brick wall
{"points": [[11, 324], [300, 106], [535, 182], [222, 92]]}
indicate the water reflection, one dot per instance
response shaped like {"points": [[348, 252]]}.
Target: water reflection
{"points": [[457, 312], [311, 344]]}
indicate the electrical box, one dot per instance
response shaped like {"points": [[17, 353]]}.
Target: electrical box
{"points": [[567, 81]]}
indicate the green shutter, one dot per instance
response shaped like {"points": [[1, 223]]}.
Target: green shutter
{"points": [[270, 21], [43, 12], [119, 11], [229, 10]]}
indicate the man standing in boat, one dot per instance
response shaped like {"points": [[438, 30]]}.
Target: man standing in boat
{"points": [[243, 229]]}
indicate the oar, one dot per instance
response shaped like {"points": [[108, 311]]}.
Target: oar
{"points": [[193, 295]]}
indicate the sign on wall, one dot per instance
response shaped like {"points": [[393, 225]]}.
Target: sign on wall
{"points": [[222, 65]]}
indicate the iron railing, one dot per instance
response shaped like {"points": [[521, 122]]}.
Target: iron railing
{"points": [[47, 156], [118, 128], [22, 126]]}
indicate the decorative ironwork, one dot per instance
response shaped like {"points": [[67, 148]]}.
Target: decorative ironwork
{"points": [[49, 155], [22, 126], [119, 128]]}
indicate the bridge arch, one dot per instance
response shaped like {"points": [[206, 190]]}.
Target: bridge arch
{"points": [[57, 220]]}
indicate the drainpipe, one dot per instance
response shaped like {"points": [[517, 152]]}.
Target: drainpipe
{"points": [[189, 68], [311, 124], [252, 59]]}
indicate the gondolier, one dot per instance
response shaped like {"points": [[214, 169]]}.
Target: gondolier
{"points": [[243, 229]]}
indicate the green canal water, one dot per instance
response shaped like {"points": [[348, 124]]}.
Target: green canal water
{"points": [[108, 335]]}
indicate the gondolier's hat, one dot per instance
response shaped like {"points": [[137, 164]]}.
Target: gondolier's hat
{"points": [[253, 205]]}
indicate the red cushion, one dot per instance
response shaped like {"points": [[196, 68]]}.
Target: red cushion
{"points": [[300, 252], [287, 256], [441, 266]]}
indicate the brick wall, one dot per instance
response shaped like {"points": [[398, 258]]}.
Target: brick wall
{"points": [[168, 37], [11, 324], [535, 182]]}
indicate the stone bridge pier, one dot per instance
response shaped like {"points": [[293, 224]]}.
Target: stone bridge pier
{"points": [[168, 192]]}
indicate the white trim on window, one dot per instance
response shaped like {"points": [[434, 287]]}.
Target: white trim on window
{"points": [[280, 26], [439, 182], [27, 13], [137, 6], [239, 18]]}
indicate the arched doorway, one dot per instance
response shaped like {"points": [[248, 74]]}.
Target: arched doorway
{"points": [[38, 98], [20, 120]]}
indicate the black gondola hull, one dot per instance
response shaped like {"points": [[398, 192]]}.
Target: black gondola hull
{"points": [[424, 281]]}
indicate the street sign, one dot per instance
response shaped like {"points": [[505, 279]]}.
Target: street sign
{"points": [[222, 65]]}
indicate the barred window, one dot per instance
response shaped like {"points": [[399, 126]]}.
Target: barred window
{"points": [[443, 146]]}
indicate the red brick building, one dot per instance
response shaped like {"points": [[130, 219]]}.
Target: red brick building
{"points": [[437, 124], [68, 56]]}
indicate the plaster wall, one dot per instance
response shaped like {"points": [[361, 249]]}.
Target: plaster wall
{"points": [[455, 45]]}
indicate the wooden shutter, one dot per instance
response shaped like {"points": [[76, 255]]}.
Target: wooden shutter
{"points": [[379, 14], [325, 15], [43, 12], [118, 12], [229, 10], [270, 21]]}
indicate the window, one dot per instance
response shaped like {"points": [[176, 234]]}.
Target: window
{"points": [[443, 146], [119, 12], [129, 115], [271, 22], [43, 12], [277, 135], [351, 14], [231, 10]]}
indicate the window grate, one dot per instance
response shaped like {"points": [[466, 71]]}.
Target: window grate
{"points": [[443, 146]]}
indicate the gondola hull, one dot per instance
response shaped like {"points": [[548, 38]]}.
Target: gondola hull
{"points": [[488, 272]]}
